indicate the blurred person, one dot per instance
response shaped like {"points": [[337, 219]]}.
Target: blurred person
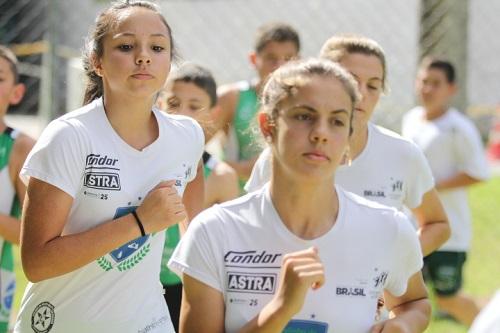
{"points": [[457, 159], [380, 165], [191, 91], [104, 182], [249, 265], [275, 44], [14, 147]]}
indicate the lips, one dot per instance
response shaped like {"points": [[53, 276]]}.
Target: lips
{"points": [[316, 156], [142, 76]]}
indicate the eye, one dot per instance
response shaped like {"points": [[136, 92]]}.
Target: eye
{"points": [[303, 117], [172, 104], [125, 47], [373, 88], [157, 48]]}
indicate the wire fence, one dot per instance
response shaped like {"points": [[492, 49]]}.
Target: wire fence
{"points": [[48, 35]]}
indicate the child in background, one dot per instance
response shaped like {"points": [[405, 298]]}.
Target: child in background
{"points": [[275, 44], [456, 156], [191, 91], [14, 147]]}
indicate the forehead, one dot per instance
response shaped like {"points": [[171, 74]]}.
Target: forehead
{"points": [[186, 90], [137, 20], [432, 73], [319, 92], [274, 47], [5, 67], [368, 65]]}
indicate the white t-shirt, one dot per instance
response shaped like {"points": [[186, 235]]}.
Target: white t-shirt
{"points": [[82, 155], [390, 170], [237, 248], [488, 320], [451, 144]]}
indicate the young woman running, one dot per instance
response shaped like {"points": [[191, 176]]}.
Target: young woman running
{"points": [[248, 265], [104, 181]]}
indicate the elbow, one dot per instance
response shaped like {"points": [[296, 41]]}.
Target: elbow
{"points": [[31, 267]]}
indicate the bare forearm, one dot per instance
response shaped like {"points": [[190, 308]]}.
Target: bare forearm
{"points": [[9, 228], [459, 180], [64, 254], [433, 235], [414, 315], [272, 318], [243, 168]]}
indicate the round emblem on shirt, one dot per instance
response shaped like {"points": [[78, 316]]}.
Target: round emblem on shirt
{"points": [[43, 318]]}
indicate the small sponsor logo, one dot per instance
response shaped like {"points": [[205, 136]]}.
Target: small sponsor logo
{"points": [[43, 318], [380, 279], [251, 283], [102, 181], [350, 291], [251, 257], [98, 160], [397, 186], [374, 193]]}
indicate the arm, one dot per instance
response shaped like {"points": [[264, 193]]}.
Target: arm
{"points": [[193, 198], [222, 185], [459, 180], [243, 168], [46, 253], [9, 226], [410, 313], [202, 308], [434, 229], [227, 98]]}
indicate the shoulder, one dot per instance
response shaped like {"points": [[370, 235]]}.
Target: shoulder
{"points": [[179, 123], [461, 122], [393, 141], [230, 93]]}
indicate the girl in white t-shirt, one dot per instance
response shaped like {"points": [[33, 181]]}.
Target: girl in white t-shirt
{"points": [[104, 181], [385, 167], [248, 265]]}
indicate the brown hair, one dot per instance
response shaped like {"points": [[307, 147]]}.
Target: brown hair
{"points": [[275, 32], [336, 47], [94, 45], [285, 80], [11, 58]]}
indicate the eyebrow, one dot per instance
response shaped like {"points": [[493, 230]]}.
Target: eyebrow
{"points": [[129, 34], [372, 78], [311, 109]]}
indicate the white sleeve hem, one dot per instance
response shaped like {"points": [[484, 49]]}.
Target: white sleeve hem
{"points": [[26, 173], [181, 268]]}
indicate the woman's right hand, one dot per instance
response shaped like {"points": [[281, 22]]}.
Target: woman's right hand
{"points": [[300, 271], [161, 208]]}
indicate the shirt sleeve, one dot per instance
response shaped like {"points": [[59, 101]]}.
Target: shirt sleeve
{"points": [[57, 158], [420, 178], [261, 172], [195, 253], [408, 257], [470, 152]]}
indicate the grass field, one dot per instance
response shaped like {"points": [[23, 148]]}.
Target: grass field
{"points": [[482, 273]]}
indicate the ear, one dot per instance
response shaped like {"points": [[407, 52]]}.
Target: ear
{"points": [[252, 57], [266, 125], [17, 94], [96, 65], [453, 89]]}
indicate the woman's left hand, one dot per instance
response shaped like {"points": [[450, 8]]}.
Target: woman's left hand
{"points": [[390, 326]]}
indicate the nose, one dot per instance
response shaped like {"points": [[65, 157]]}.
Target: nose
{"points": [[143, 58], [319, 132]]}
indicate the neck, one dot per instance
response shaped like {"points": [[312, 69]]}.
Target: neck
{"points": [[434, 112], [359, 140], [3, 126], [132, 120], [307, 209]]}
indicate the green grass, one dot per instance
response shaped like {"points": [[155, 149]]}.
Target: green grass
{"points": [[482, 271]]}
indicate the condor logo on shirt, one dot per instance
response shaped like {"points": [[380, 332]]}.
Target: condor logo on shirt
{"points": [[261, 283], [102, 181]]}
